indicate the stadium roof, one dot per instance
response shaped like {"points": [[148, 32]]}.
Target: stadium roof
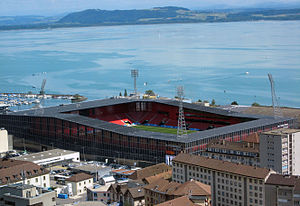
{"points": [[59, 112]]}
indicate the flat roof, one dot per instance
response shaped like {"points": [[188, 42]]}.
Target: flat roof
{"points": [[44, 155], [59, 112], [282, 131]]}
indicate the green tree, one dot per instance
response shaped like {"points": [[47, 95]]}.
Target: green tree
{"points": [[213, 102], [255, 104], [199, 100], [125, 93], [120, 94], [150, 92], [234, 103]]}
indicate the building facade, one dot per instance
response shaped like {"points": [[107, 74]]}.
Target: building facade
{"points": [[231, 183], [80, 182], [282, 190], [99, 193], [16, 171], [22, 194], [237, 152], [280, 150]]}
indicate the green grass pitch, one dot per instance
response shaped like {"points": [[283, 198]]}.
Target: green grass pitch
{"points": [[160, 129]]}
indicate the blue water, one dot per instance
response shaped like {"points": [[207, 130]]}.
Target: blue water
{"points": [[211, 60]]}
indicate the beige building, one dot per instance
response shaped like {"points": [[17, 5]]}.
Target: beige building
{"points": [[80, 182], [16, 171], [3, 140], [280, 150], [231, 183], [282, 190], [22, 194], [238, 152]]}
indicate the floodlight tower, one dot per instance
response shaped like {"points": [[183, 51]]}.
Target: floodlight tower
{"points": [[134, 75], [275, 104], [181, 129]]}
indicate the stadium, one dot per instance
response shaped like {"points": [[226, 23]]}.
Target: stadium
{"points": [[134, 129]]}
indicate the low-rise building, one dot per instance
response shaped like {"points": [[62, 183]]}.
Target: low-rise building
{"points": [[17, 171], [237, 152], [164, 175], [162, 190], [231, 183], [99, 193], [96, 170], [80, 182], [119, 192], [135, 196], [282, 190], [280, 150], [51, 157], [22, 194]]}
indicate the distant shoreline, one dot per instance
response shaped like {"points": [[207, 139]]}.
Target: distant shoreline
{"points": [[160, 15]]}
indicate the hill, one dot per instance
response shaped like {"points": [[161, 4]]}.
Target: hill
{"points": [[97, 17]]}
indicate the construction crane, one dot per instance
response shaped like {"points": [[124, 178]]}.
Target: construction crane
{"points": [[275, 104], [42, 91]]}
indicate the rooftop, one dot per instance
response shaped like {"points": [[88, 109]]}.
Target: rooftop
{"points": [[150, 171], [164, 175], [222, 166], [180, 201], [163, 186], [79, 177], [60, 112], [283, 131], [237, 146], [44, 155], [14, 170]]}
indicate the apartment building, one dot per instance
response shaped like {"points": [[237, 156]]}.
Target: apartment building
{"points": [[17, 171], [80, 182], [231, 183], [238, 152], [280, 150], [282, 190]]}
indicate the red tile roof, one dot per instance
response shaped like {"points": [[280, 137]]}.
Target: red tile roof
{"points": [[12, 170], [150, 171], [79, 177], [180, 201]]}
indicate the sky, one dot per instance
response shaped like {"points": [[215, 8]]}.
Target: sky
{"points": [[55, 7]]}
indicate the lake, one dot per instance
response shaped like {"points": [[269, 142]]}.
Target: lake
{"points": [[222, 61]]}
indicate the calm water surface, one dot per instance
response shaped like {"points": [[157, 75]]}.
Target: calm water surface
{"points": [[224, 61]]}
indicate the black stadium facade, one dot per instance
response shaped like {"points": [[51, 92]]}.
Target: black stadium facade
{"points": [[105, 128]]}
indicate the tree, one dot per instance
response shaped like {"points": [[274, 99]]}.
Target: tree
{"points": [[213, 102], [125, 93], [120, 94], [234, 103], [255, 104], [199, 100], [150, 92]]}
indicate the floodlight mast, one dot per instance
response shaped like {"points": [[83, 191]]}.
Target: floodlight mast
{"points": [[134, 75], [181, 127]]}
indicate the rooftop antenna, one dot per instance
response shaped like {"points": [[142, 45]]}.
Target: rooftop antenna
{"points": [[181, 129], [275, 104], [134, 75]]}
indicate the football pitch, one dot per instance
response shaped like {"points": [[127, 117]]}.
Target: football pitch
{"points": [[160, 129]]}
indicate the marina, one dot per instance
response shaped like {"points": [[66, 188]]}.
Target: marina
{"points": [[20, 101]]}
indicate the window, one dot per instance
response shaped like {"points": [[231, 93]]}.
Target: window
{"points": [[36, 179]]}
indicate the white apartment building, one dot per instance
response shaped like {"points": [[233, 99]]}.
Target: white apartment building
{"points": [[280, 150], [231, 183], [80, 182], [15, 171], [3, 140]]}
